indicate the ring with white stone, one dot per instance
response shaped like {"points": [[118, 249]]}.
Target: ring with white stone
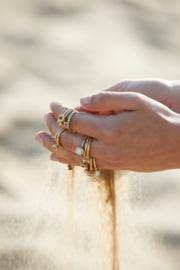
{"points": [[80, 150], [97, 172]]}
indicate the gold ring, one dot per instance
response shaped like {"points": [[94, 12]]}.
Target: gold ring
{"points": [[90, 172], [80, 150], [88, 147], [62, 117], [67, 124], [57, 138], [97, 172], [86, 152]]}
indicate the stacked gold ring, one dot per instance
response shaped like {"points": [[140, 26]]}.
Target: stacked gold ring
{"points": [[86, 159], [57, 138], [62, 117], [89, 163], [67, 123]]}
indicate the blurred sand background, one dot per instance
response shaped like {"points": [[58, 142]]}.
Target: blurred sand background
{"points": [[62, 50]]}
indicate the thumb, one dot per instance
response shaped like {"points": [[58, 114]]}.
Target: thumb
{"points": [[112, 101]]}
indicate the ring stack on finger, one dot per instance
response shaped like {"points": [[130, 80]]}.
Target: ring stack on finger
{"points": [[89, 163], [57, 138], [64, 119]]}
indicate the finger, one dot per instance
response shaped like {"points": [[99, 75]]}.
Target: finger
{"points": [[99, 163], [53, 157], [47, 141], [118, 87], [113, 101], [63, 154], [86, 124]]}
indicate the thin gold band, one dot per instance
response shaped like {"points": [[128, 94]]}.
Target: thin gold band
{"points": [[90, 172], [97, 172], [57, 138], [69, 119], [94, 163], [86, 158], [88, 146], [59, 134]]}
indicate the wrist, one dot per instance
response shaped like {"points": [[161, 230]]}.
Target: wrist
{"points": [[176, 96]]}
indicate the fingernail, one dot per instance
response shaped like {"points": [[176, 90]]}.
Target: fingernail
{"points": [[54, 159], [45, 117], [86, 100], [39, 139]]}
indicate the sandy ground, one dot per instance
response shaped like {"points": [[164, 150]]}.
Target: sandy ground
{"points": [[62, 50]]}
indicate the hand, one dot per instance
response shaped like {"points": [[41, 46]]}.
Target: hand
{"points": [[143, 138], [163, 91]]}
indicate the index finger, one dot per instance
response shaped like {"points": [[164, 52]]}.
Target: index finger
{"points": [[86, 124]]}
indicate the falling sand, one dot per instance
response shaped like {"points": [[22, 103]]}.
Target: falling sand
{"points": [[83, 215], [75, 224]]}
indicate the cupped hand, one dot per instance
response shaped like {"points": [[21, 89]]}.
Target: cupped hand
{"points": [[164, 91], [144, 137]]}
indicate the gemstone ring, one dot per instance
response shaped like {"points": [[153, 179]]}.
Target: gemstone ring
{"points": [[62, 117], [67, 123], [80, 150]]}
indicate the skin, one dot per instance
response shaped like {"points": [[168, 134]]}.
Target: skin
{"points": [[143, 136]]}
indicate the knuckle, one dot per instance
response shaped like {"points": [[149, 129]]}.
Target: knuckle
{"points": [[137, 98]]}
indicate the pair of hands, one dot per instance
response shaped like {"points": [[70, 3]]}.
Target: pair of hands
{"points": [[142, 136]]}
